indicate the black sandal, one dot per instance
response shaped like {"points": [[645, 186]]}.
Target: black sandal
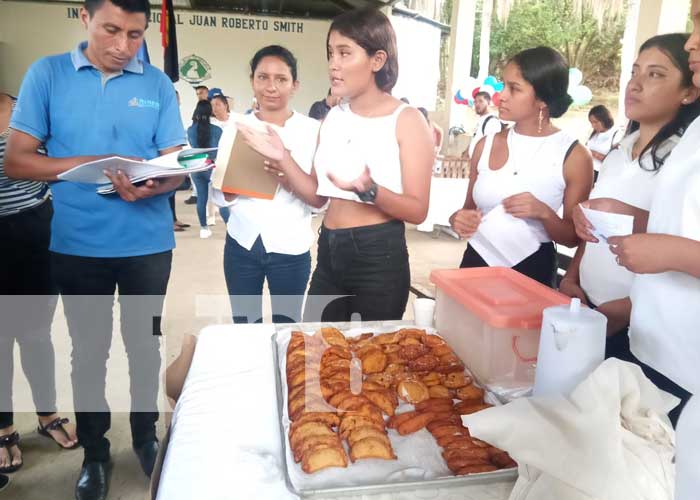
{"points": [[8, 442], [4, 481], [55, 425]]}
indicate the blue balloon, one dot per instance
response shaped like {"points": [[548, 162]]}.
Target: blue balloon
{"points": [[459, 95], [471, 103], [491, 80], [499, 87]]}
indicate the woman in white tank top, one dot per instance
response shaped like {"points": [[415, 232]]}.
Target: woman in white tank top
{"points": [[373, 162], [532, 169]]}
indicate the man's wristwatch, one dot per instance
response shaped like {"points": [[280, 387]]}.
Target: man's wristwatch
{"points": [[370, 195]]}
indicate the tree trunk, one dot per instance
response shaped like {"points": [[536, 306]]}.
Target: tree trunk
{"points": [[484, 49]]}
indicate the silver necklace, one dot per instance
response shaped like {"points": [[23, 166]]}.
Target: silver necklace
{"points": [[509, 142]]}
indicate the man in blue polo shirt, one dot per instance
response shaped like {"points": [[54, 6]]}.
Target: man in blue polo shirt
{"points": [[99, 100]]}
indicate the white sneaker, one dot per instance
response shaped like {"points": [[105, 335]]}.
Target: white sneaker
{"points": [[205, 233]]}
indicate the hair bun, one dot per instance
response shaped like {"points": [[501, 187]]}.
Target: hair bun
{"points": [[559, 106]]}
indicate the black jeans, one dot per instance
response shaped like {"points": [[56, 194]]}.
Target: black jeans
{"points": [[87, 287], [27, 305], [366, 265], [540, 266]]}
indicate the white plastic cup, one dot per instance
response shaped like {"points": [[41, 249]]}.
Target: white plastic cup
{"points": [[423, 312]]}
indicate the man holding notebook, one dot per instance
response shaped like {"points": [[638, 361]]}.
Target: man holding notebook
{"points": [[98, 101]]}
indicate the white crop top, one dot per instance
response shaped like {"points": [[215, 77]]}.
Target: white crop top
{"points": [[534, 165], [348, 142]]}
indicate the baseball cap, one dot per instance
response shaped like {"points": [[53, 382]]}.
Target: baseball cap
{"points": [[215, 92]]}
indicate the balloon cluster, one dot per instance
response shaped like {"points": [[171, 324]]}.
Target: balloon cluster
{"points": [[467, 92], [581, 94]]}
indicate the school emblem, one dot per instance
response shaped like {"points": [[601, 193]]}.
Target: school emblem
{"points": [[194, 69]]}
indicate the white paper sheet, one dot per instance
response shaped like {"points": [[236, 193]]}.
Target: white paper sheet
{"points": [[504, 240], [607, 224], [175, 163]]}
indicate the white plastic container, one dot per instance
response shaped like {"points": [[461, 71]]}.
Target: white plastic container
{"points": [[491, 316], [572, 345]]}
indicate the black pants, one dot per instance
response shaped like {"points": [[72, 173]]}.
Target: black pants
{"points": [[366, 265], [618, 346], [540, 266], [87, 287], [27, 304]]}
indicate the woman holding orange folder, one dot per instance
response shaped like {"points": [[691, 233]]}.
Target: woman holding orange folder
{"points": [[270, 239]]}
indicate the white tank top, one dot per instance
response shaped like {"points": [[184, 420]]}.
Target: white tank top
{"points": [[348, 142], [534, 165]]}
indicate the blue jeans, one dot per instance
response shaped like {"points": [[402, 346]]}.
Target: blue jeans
{"points": [[245, 272], [201, 181]]}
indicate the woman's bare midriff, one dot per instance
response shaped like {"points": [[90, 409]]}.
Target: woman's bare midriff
{"points": [[344, 214]]}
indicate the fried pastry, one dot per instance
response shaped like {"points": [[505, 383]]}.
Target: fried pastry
{"points": [[413, 391], [371, 447], [322, 458]]}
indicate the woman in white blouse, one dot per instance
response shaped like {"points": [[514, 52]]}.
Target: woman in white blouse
{"points": [[603, 138], [270, 239], [661, 102]]}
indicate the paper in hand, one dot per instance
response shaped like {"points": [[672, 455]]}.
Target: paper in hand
{"points": [[504, 240], [607, 224]]}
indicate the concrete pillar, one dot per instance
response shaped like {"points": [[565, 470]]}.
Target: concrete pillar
{"points": [[646, 18], [460, 60]]}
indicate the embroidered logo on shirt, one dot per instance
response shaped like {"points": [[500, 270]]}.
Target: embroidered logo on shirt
{"points": [[136, 102]]}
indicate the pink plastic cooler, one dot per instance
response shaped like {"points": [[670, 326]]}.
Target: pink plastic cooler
{"points": [[491, 316]]}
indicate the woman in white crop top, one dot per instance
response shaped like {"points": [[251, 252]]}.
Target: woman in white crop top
{"points": [[270, 239], [373, 161], [531, 169]]}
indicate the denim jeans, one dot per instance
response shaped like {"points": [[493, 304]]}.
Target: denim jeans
{"points": [[87, 286], [245, 272], [201, 180], [368, 267]]}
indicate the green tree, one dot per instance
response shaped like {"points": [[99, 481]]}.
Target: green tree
{"points": [[592, 46]]}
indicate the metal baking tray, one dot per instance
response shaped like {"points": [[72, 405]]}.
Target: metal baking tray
{"points": [[499, 476]]}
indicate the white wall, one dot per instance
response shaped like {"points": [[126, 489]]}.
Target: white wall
{"points": [[30, 30], [419, 61]]}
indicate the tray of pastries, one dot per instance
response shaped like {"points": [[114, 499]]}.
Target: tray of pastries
{"points": [[368, 409]]}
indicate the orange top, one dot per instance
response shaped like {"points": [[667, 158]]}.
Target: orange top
{"points": [[499, 296]]}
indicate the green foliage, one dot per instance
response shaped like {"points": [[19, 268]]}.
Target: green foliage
{"points": [[593, 48]]}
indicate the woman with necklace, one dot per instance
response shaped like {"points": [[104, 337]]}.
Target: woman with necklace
{"points": [[373, 162], [532, 169]]}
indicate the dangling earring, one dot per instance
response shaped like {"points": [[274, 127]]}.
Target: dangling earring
{"points": [[539, 124]]}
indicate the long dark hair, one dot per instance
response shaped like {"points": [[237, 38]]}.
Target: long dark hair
{"points": [[673, 46], [371, 29], [201, 117], [602, 114], [548, 72]]}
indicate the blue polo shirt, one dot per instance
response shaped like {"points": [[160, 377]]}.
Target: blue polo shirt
{"points": [[75, 110]]}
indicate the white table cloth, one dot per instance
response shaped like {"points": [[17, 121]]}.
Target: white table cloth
{"points": [[225, 438]]}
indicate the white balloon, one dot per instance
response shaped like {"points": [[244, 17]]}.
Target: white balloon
{"points": [[575, 77], [488, 88]]}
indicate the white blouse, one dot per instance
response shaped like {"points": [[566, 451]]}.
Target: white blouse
{"points": [[283, 223], [603, 142], [623, 179], [665, 326]]}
